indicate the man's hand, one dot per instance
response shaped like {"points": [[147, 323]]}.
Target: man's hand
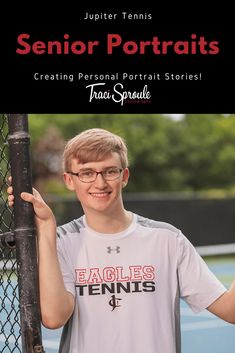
{"points": [[42, 211]]}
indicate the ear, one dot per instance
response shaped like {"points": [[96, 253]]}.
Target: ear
{"points": [[125, 178], [69, 181]]}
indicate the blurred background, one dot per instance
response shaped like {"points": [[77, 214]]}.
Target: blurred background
{"points": [[182, 169]]}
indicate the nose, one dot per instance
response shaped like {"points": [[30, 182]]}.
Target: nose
{"points": [[100, 181]]}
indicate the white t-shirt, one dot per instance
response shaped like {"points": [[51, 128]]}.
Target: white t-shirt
{"points": [[127, 286]]}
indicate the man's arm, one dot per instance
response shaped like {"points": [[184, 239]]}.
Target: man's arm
{"points": [[224, 306], [57, 304]]}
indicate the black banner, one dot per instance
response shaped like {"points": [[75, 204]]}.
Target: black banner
{"points": [[117, 60]]}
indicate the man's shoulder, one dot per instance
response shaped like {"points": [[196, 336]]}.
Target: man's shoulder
{"points": [[150, 223], [73, 226]]}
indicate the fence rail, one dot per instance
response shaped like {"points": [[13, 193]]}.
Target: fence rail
{"points": [[21, 327]]}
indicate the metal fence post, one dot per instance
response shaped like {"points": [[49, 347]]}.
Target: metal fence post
{"points": [[25, 235]]}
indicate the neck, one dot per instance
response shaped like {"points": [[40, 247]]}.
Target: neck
{"points": [[109, 223]]}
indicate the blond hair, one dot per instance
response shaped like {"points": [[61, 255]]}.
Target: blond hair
{"points": [[94, 145]]}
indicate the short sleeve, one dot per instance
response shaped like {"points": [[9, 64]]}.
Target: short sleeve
{"points": [[199, 287], [65, 265]]}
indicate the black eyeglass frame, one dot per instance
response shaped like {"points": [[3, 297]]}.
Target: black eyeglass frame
{"points": [[101, 172]]}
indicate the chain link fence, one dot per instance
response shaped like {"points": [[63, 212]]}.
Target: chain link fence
{"points": [[9, 300]]}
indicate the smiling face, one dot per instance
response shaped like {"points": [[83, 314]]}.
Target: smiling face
{"points": [[100, 195]]}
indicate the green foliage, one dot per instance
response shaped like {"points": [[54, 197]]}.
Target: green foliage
{"points": [[196, 153]]}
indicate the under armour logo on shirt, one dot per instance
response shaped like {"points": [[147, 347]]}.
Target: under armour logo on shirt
{"points": [[109, 249]]}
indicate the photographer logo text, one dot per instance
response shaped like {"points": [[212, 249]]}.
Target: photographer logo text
{"points": [[118, 94]]}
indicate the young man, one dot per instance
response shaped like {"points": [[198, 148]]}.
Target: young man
{"points": [[112, 278]]}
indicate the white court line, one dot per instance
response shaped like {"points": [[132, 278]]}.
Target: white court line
{"points": [[46, 343], [189, 313], [50, 344], [202, 325], [216, 249], [10, 339]]}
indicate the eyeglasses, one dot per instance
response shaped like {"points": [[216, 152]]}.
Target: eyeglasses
{"points": [[89, 176]]}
